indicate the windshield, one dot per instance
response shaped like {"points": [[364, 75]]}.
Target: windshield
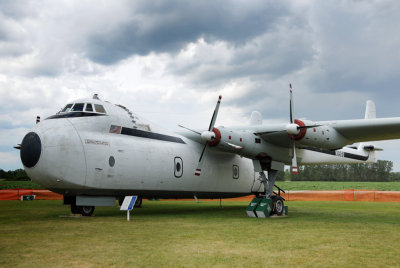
{"points": [[78, 107], [66, 108]]}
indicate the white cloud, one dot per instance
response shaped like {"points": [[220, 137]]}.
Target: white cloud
{"points": [[9, 160]]}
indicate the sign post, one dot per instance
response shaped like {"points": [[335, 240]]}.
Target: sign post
{"points": [[128, 204]]}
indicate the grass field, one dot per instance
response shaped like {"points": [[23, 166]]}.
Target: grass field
{"points": [[188, 234], [337, 185], [292, 185], [19, 185]]}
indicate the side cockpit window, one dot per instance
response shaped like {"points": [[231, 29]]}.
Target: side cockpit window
{"points": [[78, 107], [89, 107], [99, 108], [67, 108]]}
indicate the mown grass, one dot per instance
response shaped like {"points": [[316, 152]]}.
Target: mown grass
{"points": [[19, 185], [337, 185], [188, 234]]}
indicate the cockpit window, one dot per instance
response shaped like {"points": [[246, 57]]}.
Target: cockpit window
{"points": [[89, 107], [78, 107], [99, 108], [66, 108], [80, 110]]}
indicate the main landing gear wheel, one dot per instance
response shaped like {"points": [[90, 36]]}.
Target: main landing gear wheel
{"points": [[83, 210], [75, 209], [278, 206], [87, 210]]}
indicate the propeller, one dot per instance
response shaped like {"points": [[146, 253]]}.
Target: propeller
{"points": [[209, 136], [293, 129]]}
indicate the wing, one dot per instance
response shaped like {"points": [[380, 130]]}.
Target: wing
{"points": [[367, 129]]}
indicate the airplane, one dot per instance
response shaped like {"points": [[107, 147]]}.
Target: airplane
{"points": [[94, 153]]}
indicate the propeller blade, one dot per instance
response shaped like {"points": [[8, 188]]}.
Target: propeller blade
{"points": [[294, 159], [190, 129], [200, 164], [268, 132], [210, 128], [291, 104], [311, 126], [214, 117]]}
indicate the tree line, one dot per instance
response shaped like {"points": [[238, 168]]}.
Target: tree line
{"points": [[14, 175], [380, 171]]}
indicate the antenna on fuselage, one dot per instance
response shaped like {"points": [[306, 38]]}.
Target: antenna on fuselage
{"points": [[96, 97]]}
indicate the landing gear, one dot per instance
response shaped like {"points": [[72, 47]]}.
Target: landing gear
{"points": [[75, 209], [279, 206], [83, 210], [269, 202], [87, 210]]}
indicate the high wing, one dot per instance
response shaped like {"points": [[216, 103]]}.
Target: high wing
{"points": [[367, 129]]}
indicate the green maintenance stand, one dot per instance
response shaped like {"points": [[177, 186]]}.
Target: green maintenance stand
{"points": [[264, 208], [251, 209]]}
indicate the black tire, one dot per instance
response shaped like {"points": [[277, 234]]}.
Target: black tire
{"points": [[86, 210], [279, 206], [138, 203], [75, 209]]}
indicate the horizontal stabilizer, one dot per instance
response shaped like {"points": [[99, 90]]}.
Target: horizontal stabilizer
{"points": [[372, 148]]}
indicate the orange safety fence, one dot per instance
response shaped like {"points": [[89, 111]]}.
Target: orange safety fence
{"points": [[340, 195], [47, 195], [15, 194]]}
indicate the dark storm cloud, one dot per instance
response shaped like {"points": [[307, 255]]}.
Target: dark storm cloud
{"points": [[358, 46], [167, 26], [271, 55]]}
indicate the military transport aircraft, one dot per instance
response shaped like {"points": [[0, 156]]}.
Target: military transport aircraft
{"points": [[94, 153]]}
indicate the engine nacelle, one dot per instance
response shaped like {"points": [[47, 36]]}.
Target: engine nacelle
{"points": [[321, 137]]}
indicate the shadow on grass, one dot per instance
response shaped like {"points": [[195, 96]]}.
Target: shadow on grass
{"points": [[178, 209]]}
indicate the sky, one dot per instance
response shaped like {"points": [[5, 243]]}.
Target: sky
{"points": [[170, 60]]}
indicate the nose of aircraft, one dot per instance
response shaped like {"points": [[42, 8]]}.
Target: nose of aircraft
{"points": [[53, 156], [31, 149]]}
